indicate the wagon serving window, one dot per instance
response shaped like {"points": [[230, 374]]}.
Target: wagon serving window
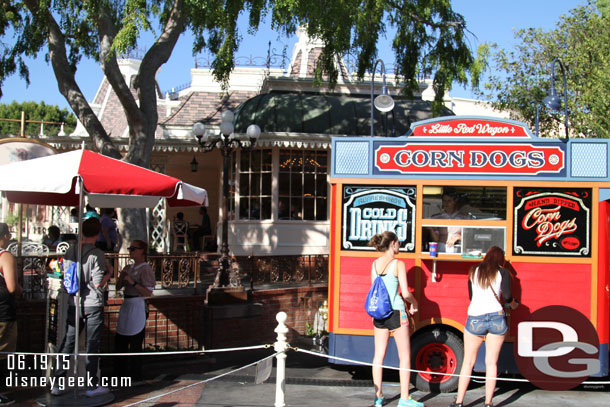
{"points": [[463, 219]]}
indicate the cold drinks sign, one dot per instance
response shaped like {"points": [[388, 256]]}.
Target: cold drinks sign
{"points": [[368, 211], [454, 156]]}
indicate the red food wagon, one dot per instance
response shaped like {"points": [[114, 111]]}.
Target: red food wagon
{"points": [[468, 183]]}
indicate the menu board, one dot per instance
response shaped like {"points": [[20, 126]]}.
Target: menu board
{"points": [[552, 222], [369, 210]]}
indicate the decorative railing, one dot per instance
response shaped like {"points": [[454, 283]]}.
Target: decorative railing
{"points": [[171, 270], [186, 271], [286, 269]]}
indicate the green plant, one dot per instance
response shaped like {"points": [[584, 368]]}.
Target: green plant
{"points": [[309, 329], [12, 219]]}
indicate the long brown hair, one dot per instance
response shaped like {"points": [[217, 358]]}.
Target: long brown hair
{"points": [[382, 241], [488, 269]]}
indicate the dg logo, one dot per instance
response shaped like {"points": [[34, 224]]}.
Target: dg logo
{"points": [[557, 348]]}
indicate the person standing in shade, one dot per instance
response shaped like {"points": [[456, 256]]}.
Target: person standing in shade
{"points": [[9, 289], [486, 321], [205, 229], [394, 275], [93, 278], [109, 236], [139, 281]]}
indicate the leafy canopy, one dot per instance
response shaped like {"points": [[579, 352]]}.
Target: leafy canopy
{"points": [[38, 112], [518, 81], [429, 37]]}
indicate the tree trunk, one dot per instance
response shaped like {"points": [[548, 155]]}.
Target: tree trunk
{"points": [[132, 226]]}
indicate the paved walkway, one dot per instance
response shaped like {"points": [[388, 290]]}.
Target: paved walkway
{"points": [[311, 381]]}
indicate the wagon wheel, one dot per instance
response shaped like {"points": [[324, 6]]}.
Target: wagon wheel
{"points": [[167, 273], [183, 273], [433, 352]]}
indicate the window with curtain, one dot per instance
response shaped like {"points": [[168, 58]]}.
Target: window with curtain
{"points": [[303, 184]]}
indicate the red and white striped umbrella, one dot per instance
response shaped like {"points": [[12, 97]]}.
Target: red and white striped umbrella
{"points": [[107, 182]]}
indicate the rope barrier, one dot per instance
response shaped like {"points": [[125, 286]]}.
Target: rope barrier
{"points": [[179, 352], [358, 362], [201, 381]]}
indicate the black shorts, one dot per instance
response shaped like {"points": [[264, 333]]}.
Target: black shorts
{"points": [[392, 322]]}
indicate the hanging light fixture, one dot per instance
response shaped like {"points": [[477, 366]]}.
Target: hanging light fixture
{"points": [[194, 165]]}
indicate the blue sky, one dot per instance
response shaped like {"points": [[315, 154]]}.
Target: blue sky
{"points": [[488, 20]]}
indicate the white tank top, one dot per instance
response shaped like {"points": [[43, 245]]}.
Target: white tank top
{"points": [[483, 300]]}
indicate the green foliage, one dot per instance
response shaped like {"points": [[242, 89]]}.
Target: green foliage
{"points": [[429, 36], [35, 111], [13, 218], [519, 80]]}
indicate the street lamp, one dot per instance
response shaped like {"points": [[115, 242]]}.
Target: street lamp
{"points": [[226, 142], [552, 101], [384, 102]]}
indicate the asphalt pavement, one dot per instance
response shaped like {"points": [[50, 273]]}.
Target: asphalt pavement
{"points": [[310, 381]]}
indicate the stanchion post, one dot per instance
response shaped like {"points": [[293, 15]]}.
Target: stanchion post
{"points": [[280, 346]]}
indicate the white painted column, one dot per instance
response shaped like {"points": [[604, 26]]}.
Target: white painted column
{"points": [[280, 346]]}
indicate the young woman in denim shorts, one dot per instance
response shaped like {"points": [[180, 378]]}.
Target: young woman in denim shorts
{"points": [[394, 275], [486, 320]]}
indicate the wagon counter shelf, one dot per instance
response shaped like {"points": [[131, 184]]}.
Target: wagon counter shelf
{"points": [[449, 258]]}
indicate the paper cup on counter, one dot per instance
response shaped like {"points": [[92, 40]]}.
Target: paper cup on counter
{"points": [[433, 249]]}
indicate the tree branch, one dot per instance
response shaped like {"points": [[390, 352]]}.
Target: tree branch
{"points": [[145, 82], [64, 73], [107, 31]]}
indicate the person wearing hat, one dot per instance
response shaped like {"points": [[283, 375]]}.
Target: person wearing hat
{"points": [[9, 289]]}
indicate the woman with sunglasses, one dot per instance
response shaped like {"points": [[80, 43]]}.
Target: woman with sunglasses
{"points": [[139, 281]]}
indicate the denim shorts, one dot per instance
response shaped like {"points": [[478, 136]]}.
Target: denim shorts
{"points": [[493, 323]]}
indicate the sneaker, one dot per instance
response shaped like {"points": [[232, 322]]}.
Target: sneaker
{"points": [[56, 391], [98, 391], [379, 401], [456, 404], [5, 401], [409, 403]]}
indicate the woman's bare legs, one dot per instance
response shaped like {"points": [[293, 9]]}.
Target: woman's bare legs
{"points": [[493, 345], [403, 346], [472, 343], [382, 336]]}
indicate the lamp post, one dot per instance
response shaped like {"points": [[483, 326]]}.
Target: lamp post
{"points": [[552, 101], [226, 142], [384, 102]]}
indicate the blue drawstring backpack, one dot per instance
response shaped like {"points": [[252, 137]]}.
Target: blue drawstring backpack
{"points": [[378, 303], [70, 279]]}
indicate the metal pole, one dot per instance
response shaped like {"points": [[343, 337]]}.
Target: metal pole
{"points": [[280, 346], [373, 95], [565, 91], [81, 202], [373, 91], [222, 276]]}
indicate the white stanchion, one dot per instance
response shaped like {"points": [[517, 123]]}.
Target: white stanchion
{"points": [[280, 346]]}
